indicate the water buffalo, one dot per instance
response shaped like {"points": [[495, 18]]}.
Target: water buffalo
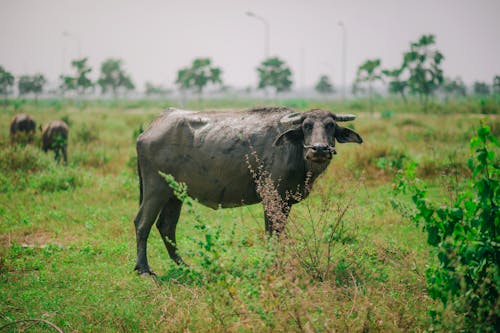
{"points": [[22, 126], [55, 137], [210, 152]]}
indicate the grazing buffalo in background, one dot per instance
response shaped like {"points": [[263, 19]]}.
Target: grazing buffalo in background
{"points": [[22, 126], [212, 152], [55, 137]]}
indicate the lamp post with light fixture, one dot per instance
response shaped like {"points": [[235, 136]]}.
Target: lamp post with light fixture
{"points": [[266, 24]]}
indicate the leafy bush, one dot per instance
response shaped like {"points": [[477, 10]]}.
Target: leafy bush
{"points": [[137, 132], [14, 158], [465, 233], [55, 179], [5, 184], [379, 160], [66, 118], [90, 156], [86, 134], [387, 114]]}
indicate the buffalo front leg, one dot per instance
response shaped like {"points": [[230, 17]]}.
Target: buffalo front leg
{"points": [[166, 224], [148, 212]]}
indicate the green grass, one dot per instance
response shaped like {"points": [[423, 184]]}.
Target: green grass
{"points": [[67, 240]]}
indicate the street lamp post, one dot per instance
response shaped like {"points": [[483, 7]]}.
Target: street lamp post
{"points": [[344, 49], [78, 44], [266, 24]]}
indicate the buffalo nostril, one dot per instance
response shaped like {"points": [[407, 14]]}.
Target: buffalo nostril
{"points": [[320, 148]]}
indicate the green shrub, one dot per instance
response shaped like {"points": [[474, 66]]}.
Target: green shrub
{"points": [[465, 233], [55, 179], [86, 134], [5, 184], [15, 158], [387, 114], [90, 156], [67, 120], [137, 132]]}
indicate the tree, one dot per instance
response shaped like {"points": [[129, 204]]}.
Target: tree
{"points": [[496, 85], [423, 63], [6, 82], [324, 86], [369, 72], [397, 85], [273, 72], [199, 75], [28, 84], [156, 90], [113, 77], [454, 87], [481, 89], [80, 82]]}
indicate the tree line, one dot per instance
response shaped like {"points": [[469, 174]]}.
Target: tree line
{"points": [[420, 74]]}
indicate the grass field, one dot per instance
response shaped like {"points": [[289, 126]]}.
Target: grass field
{"points": [[67, 239]]}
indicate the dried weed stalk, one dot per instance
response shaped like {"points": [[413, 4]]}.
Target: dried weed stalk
{"points": [[276, 209], [313, 232]]}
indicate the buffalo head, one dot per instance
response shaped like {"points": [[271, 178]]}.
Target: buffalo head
{"points": [[316, 131]]}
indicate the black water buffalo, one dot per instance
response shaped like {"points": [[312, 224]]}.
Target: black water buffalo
{"points": [[22, 126], [55, 137], [210, 152]]}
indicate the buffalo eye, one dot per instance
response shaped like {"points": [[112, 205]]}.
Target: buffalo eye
{"points": [[308, 126], [329, 126]]}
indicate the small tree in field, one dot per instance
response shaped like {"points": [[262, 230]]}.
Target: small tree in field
{"points": [[369, 72], [28, 84], [80, 82], [423, 63], [324, 86], [274, 72], [113, 77], [496, 85], [156, 90], [481, 88], [198, 76], [454, 87], [6, 82], [397, 85]]}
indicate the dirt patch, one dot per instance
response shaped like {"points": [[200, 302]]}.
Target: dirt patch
{"points": [[36, 239]]}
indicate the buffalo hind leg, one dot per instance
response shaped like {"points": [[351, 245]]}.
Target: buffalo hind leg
{"points": [[64, 153], [148, 212], [166, 224]]}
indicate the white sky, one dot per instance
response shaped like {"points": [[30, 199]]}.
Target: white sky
{"points": [[155, 38]]}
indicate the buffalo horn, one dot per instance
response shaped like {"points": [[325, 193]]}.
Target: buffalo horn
{"points": [[291, 119], [344, 117]]}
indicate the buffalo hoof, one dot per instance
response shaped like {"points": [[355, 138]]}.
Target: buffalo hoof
{"points": [[177, 259], [148, 274], [144, 271]]}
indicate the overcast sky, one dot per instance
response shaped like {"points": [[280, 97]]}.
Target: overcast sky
{"points": [[155, 38]]}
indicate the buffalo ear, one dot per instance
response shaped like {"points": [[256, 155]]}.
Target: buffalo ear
{"points": [[344, 134], [294, 135]]}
